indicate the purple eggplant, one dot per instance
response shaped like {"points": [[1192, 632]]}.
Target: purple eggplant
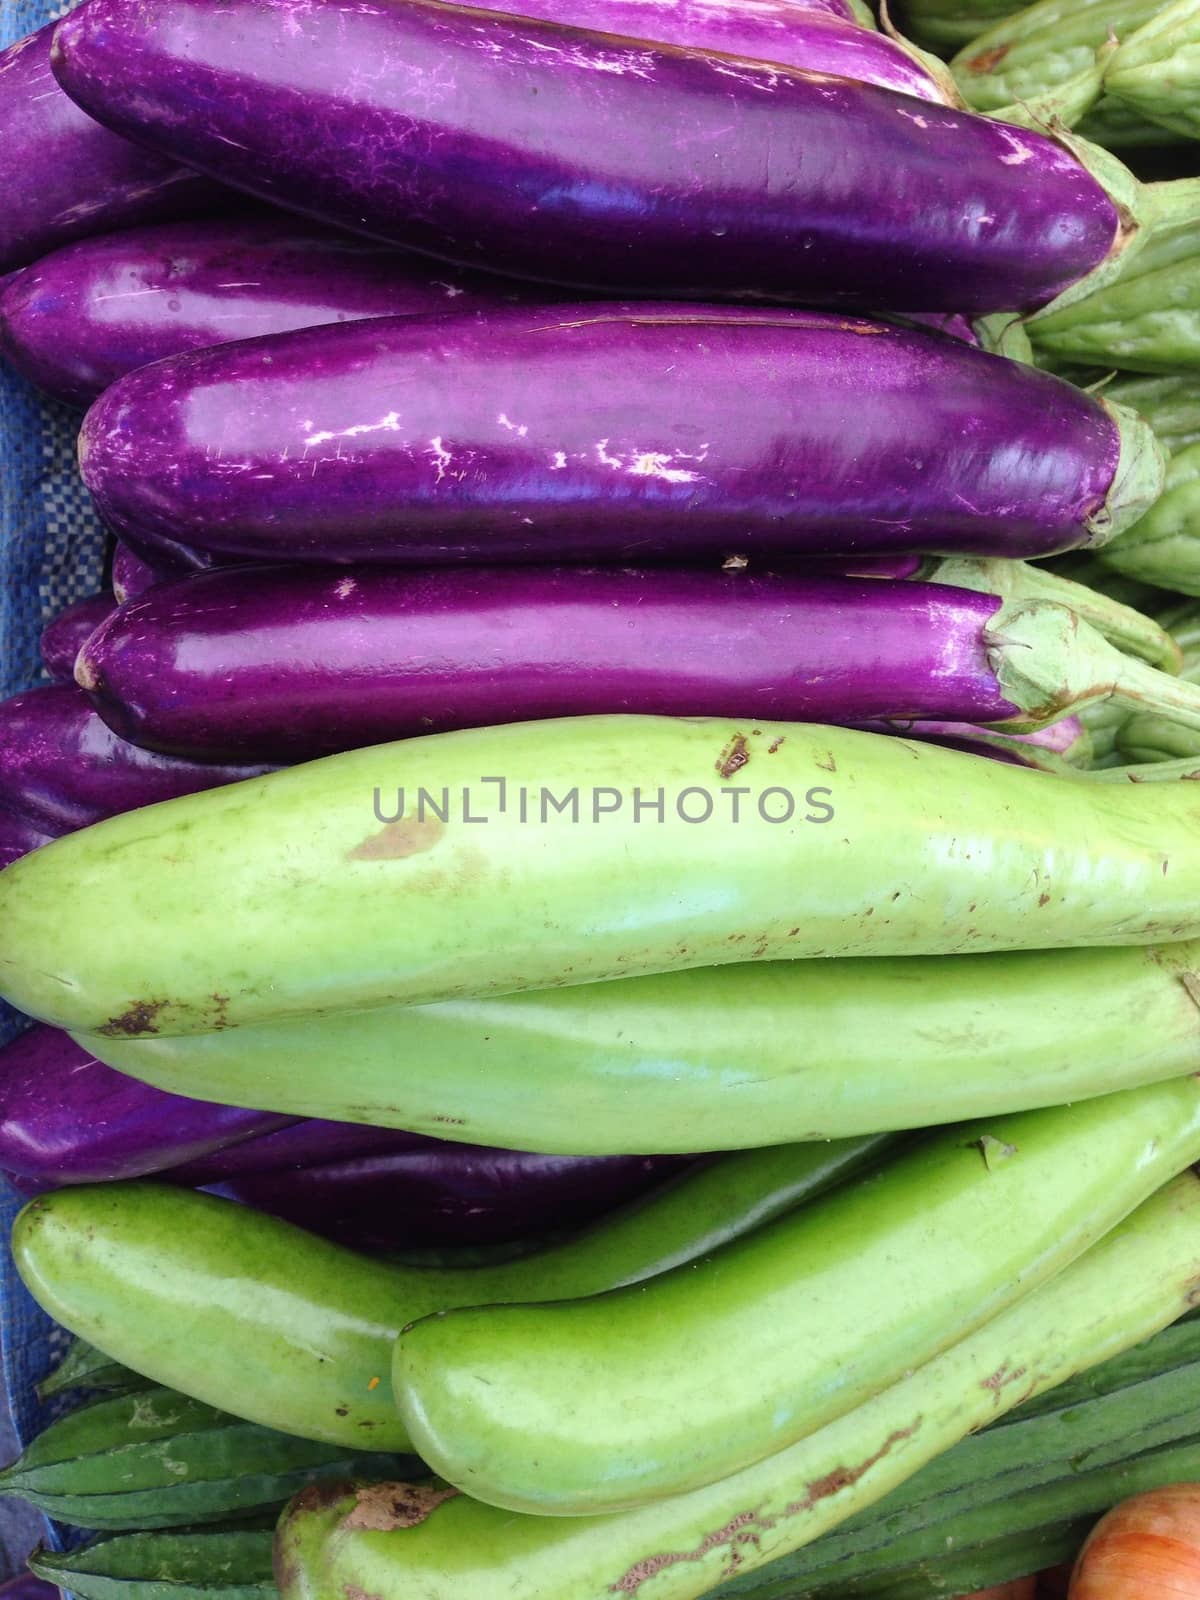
{"points": [[294, 663], [134, 570], [814, 39], [82, 317], [584, 159], [433, 1194], [65, 176], [67, 1118], [611, 433], [19, 835], [62, 769], [62, 638]]}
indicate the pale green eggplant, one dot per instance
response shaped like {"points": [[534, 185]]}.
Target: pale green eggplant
{"points": [[1164, 547], [607, 1402], [288, 1330], [426, 1540], [723, 1058], [1146, 318], [301, 894], [1156, 71]]}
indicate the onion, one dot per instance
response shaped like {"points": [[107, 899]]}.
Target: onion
{"points": [[1147, 1548]]}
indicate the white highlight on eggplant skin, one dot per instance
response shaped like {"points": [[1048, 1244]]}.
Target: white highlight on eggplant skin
{"points": [[519, 428], [390, 424]]}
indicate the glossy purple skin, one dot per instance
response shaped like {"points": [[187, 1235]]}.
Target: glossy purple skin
{"points": [[82, 317], [134, 571], [64, 176], [435, 1194], [20, 834], [816, 40], [67, 1118], [62, 638], [580, 159], [292, 663], [61, 768], [599, 432]]}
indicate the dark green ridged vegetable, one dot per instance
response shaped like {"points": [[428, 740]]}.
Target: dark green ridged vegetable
{"points": [[85, 1367], [1046, 47], [1164, 547], [158, 1459], [945, 24], [226, 1563], [1146, 318]]}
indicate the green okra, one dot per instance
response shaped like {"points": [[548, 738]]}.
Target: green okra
{"points": [[159, 1459], [605, 1403], [296, 1333], [84, 1367], [428, 1540], [223, 1563]]}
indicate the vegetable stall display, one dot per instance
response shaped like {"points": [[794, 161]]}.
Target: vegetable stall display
{"points": [[606, 886]]}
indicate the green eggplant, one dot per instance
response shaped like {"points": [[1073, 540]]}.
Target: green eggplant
{"points": [[430, 1541], [291, 1331], [299, 894], [669, 1063], [603, 1403]]}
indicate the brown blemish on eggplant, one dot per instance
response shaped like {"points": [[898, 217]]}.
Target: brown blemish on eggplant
{"points": [[384, 1507], [1043, 899], [986, 60], [774, 745], [320, 1497], [748, 1526], [737, 1531], [397, 840], [1191, 983], [845, 1477], [1002, 1377], [353, 1592], [734, 756], [139, 1019], [829, 765]]}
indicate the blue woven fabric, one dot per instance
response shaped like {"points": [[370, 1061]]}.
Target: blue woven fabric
{"points": [[51, 553]]}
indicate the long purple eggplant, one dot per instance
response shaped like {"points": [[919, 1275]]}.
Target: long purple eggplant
{"points": [[779, 31], [62, 768], [82, 317], [589, 160], [61, 639], [67, 1118], [609, 432], [20, 834], [293, 663], [436, 1194], [63, 176]]}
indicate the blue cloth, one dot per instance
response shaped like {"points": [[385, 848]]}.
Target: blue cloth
{"points": [[51, 553]]}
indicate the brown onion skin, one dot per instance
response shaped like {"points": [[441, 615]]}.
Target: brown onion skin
{"points": [[1146, 1548]]}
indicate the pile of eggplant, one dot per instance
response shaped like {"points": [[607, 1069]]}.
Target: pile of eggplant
{"points": [[609, 898]]}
